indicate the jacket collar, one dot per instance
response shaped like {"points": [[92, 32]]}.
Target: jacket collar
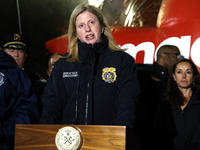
{"points": [[6, 60], [194, 100], [89, 50], [160, 69]]}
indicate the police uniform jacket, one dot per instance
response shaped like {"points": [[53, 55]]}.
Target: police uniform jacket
{"points": [[152, 79], [17, 100], [176, 128], [101, 89]]}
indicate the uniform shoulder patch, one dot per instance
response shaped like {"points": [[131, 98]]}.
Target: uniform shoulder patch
{"points": [[1, 78], [109, 74]]}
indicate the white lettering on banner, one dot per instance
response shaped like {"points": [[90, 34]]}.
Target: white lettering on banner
{"points": [[182, 43], [195, 52], [148, 47]]}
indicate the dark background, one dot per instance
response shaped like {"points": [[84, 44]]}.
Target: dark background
{"points": [[42, 20]]}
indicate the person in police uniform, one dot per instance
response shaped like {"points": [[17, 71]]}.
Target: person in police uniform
{"points": [[17, 100], [152, 79], [95, 83], [16, 45]]}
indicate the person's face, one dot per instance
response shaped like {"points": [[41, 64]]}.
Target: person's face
{"points": [[172, 57], [183, 75], [88, 28], [18, 55], [51, 64]]}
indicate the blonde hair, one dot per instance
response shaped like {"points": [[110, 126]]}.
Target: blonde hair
{"points": [[73, 39]]}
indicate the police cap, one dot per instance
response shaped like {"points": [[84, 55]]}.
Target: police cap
{"points": [[14, 41]]}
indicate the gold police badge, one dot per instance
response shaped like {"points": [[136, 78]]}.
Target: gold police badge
{"points": [[68, 138], [109, 74], [17, 37]]}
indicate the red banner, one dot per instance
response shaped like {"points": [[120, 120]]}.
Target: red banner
{"points": [[178, 23]]}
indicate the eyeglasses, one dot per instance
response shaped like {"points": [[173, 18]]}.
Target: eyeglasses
{"points": [[51, 66], [178, 55]]}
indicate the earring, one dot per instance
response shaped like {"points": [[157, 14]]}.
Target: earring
{"points": [[102, 30]]}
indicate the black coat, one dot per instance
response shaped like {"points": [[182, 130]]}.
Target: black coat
{"points": [[104, 82], [152, 79], [177, 128]]}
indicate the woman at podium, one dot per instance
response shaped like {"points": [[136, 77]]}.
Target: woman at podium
{"points": [[95, 83]]}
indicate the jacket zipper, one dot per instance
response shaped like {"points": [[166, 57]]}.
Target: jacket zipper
{"points": [[87, 95], [87, 99]]}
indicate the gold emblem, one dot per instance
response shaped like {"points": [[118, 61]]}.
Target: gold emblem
{"points": [[109, 74], [68, 138], [154, 78], [17, 37]]}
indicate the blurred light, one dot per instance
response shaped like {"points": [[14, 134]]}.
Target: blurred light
{"points": [[130, 14], [133, 13], [96, 3]]}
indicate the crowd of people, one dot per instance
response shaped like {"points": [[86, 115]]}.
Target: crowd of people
{"points": [[98, 83]]}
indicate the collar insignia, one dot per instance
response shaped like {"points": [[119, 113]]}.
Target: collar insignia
{"points": [[109, 74], [154, 78]]}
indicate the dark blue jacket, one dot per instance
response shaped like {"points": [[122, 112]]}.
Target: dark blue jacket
{"points": [[103, 84], [17, 100]]}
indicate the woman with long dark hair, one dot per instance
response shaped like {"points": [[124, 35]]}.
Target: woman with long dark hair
{"points": [[177, 121]]}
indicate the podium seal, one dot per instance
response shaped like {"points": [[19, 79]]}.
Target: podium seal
{"points": [[68, 138]]}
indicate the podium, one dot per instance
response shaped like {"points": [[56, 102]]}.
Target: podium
{"points": [[88, 137]]}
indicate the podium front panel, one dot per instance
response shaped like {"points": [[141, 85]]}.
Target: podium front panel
{"points": [[42, 137]]}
